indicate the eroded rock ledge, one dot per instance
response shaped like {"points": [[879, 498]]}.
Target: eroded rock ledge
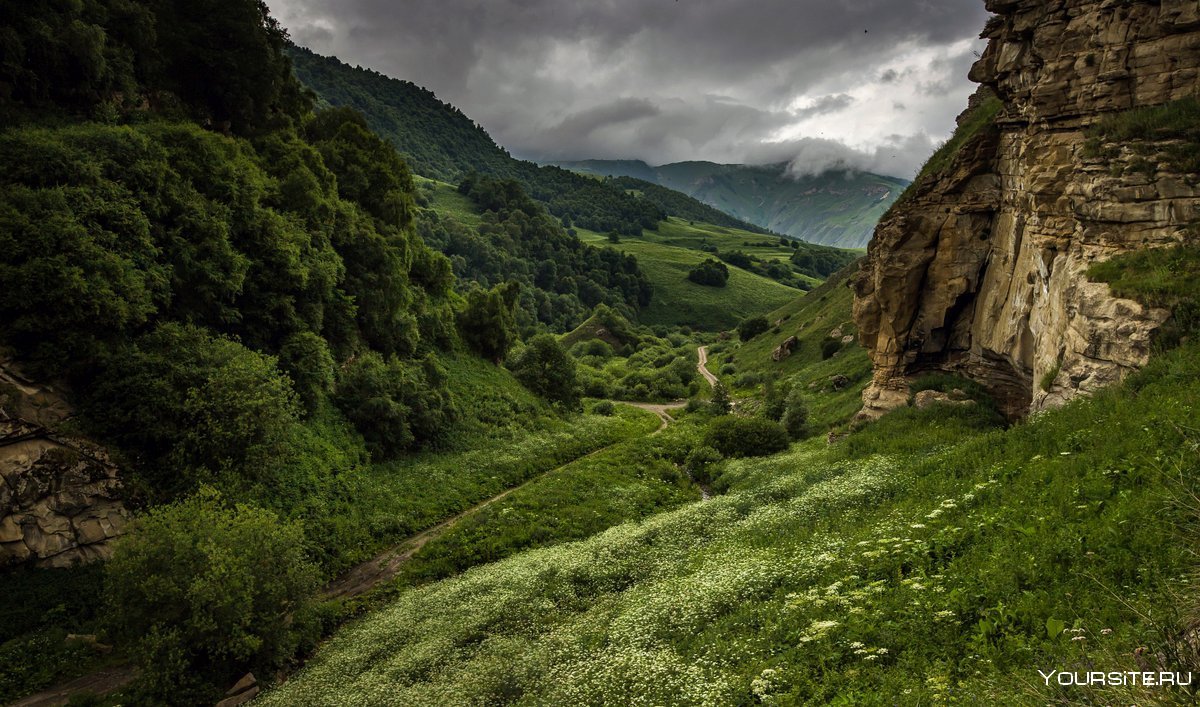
{"points": [[981, 269], [59, 495]]}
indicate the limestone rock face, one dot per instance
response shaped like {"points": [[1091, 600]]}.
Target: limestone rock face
{"points": [[982, 269], [59, 495]]}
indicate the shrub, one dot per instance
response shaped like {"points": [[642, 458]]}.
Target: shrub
{"points": [[752, 327], [746, 436], [306, 359], [205, 591], [795, 413], [604, 407], [189, 408], [396, 406], [712, 273], [830, 348], [488, 322], [701, 463], [720, 403]]}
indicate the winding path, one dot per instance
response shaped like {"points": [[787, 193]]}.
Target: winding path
{"points": [[702, 366]]}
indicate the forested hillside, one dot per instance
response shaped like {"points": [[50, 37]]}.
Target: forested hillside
{"points": [[230, 289], [442, 143]]}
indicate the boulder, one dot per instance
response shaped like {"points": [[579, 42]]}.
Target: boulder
{"points": [[785, 349]]}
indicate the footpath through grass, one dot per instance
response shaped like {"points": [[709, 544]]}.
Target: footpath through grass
{"points": [[926, 558]]}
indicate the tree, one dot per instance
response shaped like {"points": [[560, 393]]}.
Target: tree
{"points": [[752, 327], [547, 370], [488, 323], [205, 591], [795, 413], [614, 237], [712, 273], [306, 359], [720, 403]]}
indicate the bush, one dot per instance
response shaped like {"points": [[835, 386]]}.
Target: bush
{"points": [[189, 408], [396, 406], [604, 407], [701, 463], [746, 436], [712, 273], [205, 591], [830, 348], [752, 327], [545, 368], [488, 322], [795, 413], [306, 359], [720, 403]]}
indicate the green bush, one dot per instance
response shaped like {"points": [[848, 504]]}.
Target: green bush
{"points": [[205, 591], [397, 406], [712, 273], [306, 359], [488, 322], [830, 348], [735, 436], [701, 462], [752, 327], [188, 408], [795, 413], [604, 407], [720, 403]]}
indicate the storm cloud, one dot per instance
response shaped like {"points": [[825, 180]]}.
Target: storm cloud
{"points": [[873, 84]]}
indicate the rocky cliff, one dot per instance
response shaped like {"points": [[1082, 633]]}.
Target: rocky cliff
{"points": [[59, 495], [981, 268]]}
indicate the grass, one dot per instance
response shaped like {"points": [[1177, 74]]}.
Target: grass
{"points": [[628, 481], [1171, 130], [1160, 277], [400, 498], [982, 118], [445, 199], [928, 558], [811, 319], [679, 302]]}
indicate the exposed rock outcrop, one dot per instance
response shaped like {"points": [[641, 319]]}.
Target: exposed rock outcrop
{"points": [[59, 495], [981, 269], [785, 349]]}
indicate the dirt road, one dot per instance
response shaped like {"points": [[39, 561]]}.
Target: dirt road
{"points": [[702, 353]]}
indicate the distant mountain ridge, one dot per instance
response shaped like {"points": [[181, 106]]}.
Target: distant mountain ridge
{"points": [[838, 208]]}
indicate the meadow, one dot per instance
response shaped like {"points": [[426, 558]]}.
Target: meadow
{"points": [[928, 558], [679, 302]]}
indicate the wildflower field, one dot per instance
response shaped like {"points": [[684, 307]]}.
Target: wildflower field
{"points": [[929, 558]]}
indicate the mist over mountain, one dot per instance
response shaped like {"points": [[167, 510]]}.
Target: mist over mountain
{"points": [[834, 207]]}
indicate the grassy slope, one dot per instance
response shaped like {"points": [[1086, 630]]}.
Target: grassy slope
{"points": [[921, 559], [677, 300], [810, 319]]}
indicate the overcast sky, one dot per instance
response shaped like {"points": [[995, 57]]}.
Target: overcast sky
{"points": [[874, 84]]}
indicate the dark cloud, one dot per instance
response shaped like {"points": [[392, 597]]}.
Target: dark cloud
{"points": [[658, 79]]}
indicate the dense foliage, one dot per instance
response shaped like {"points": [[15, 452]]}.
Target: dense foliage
{"points": [[561, 278], [737, 436], [204, 590], [712, 273], [441, 142], [545, 368]]}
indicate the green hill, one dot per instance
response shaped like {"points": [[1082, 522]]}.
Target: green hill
{"points": [[666, 257], [931, 557], [837, 208], [440, 142]]}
